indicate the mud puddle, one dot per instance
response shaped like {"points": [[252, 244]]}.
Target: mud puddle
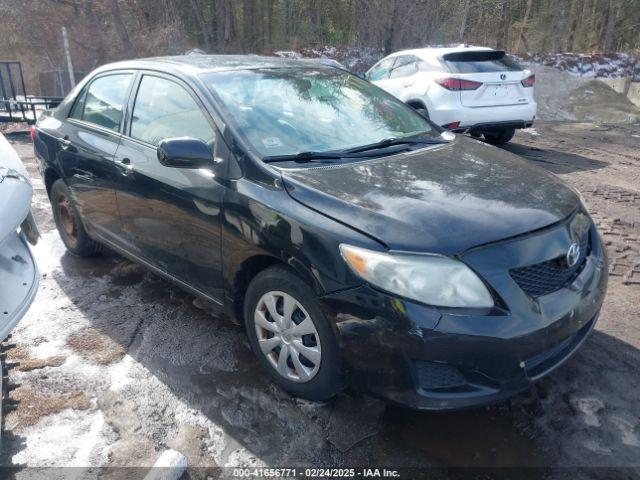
{"points": [[472, 438]]}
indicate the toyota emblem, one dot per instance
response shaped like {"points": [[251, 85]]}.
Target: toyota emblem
{"points": [[503, 76], [573, 254]]}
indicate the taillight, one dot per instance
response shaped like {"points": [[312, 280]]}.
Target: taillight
{"points": [[451, 126], [32, 133], [529, 81], [457, 84]]}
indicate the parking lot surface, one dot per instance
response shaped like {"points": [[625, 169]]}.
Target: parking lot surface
{"points": [[117, 365]]}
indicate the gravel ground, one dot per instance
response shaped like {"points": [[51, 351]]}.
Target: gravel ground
{"points": [[116, 365]]}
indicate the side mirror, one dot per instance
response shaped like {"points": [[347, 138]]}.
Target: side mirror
{"points": [[184, 152]]}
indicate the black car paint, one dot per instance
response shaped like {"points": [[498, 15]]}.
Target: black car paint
{"points": [[210, 232], [474, 193]]}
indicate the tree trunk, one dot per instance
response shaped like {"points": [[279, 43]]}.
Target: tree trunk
{"points": [[100, 52], [121, 29], [270, 7], [561, 21], [523, 25], [201, 26], [573, 25], [228, 30], [315, 7], [503, 39], [465, 14], [390, 36], [610, 31]]}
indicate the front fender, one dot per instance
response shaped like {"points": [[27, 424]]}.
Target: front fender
{"points": [[265, 221]]}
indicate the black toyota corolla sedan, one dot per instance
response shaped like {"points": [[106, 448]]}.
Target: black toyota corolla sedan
{"points": [[359, 244]]}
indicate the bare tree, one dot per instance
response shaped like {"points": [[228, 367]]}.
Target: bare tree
{"points": [[561, 21], [465, 14], [391, 25], [612, 17], [202, 26], [523, 25], [503, 37], [120, 27]]}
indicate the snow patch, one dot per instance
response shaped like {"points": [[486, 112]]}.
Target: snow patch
{"points": [[627, 433], [68, 438], [589, 407]]}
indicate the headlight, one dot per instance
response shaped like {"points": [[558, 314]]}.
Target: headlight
{"points": [[431, 279]]}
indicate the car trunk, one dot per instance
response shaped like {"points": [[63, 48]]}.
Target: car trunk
{"points": [[500, 78], [494, 91]]}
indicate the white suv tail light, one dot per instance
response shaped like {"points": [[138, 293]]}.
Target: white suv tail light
{"points": [[529, 81], [457, 84]]}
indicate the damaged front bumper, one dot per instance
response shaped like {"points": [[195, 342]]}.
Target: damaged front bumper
{"points": [[18, 270], [432, 358], [19, 280]]}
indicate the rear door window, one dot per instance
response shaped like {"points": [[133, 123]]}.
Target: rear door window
{"points": [[480, 62], [165, 109], [103, 101]]}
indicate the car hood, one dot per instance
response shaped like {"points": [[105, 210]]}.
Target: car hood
{"points": [[442, 199]]}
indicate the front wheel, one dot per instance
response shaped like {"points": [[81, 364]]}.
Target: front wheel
{"points": [[291, 336], [499, 137]]}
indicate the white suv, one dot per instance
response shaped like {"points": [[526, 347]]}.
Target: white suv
{"points": [[463, 88]]}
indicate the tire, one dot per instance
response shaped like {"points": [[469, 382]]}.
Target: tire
{"points": [[69, 224], [312, 365], [499, 137]]}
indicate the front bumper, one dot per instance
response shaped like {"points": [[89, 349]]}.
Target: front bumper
{"points": [[442, 359], [18, 281]]}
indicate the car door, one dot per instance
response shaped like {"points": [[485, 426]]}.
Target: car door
{"points": [[170, 216], [379, 73], [401, 75], [87, 142]]}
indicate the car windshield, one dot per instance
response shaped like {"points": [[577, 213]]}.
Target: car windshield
{"points": [[288, 111]]}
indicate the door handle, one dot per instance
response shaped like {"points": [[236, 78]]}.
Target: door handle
{"points": [[125, 166], [65, 143]]}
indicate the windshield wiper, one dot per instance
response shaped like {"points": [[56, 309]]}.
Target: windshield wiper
{"points": [[389, 142], [303, 157]]}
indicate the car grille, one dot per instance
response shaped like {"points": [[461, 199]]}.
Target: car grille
{"points": [[550, 276], [432, 375]]}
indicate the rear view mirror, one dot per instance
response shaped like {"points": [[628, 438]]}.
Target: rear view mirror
{"points": [[184, 152]]}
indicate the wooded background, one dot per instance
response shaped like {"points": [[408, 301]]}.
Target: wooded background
{"points": [[105, 30]]}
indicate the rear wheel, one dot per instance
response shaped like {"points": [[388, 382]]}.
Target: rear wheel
{"points": [[69, 223], [290, 335], [499, 137]]}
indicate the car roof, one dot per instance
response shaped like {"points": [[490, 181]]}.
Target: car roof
{"points": [[438, 52], [196, 63]]}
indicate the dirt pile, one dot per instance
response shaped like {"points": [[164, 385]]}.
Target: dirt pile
{"points": [[595, 101], [564, 97]]}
